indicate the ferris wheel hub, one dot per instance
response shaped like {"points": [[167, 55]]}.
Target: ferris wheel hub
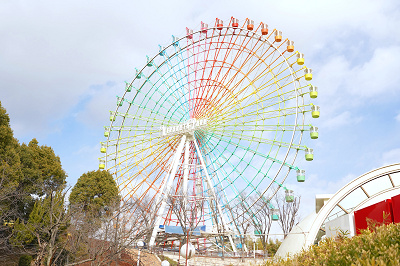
{"points": [[187, 128]]}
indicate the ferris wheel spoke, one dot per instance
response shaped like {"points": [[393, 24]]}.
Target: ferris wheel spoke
{"points": [[241, 66], [272, 142], [135, 138], [164, 97], [239, 194], [132, 156], [161, 93], [194, 67], [249, 183], [267, 111], [233, 98], [211, 96], [181, 88], [218, 48], [265, 140], [245, 94], [139, 118], [246, 126], [162, 161], [261, 88]]}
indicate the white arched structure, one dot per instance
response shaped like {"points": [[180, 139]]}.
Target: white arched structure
{"points": [[354, 195]]}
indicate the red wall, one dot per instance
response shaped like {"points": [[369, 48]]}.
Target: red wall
{"points": [[396, 208], [375, 212]]}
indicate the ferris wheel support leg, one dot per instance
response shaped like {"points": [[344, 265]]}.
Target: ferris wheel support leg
{"points": [[202, 162], [186, 170], [169, 182], [230, 210]]}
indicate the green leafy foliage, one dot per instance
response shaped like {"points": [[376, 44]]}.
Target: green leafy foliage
{"points": [[95, 190], [10, 166], [10, 175], [273, 246], [46, 214], [42, 172], [26, 171], [379, 246], [25, 260], [47, 222], [41, 168]]}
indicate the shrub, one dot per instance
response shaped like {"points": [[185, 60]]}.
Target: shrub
{"points": [[380, 246], [25, 260], [171, 262]]}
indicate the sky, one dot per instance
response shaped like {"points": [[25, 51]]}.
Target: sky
{"points": [[63, 62]]}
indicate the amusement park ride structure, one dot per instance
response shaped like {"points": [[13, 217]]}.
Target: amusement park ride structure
{"points": [[216, 119]]}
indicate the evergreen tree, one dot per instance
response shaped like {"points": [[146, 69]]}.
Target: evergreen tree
{"points": [[94, 191], [42, 231], [42, 172], [10, 176], [27, 173], [10, 166]]}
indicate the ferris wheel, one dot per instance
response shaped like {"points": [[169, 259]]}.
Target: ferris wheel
{"points": [[216, 117]]}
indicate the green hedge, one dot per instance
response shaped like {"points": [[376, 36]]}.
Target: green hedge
{"points": [[380, 246]]}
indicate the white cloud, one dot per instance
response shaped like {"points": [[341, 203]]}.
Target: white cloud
{"points": [[343, 119], [52, 53], [101, 100], [345, 88], [378, 77]]}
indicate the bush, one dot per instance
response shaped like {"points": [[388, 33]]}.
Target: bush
{"points": [[171, 262], [380, 246], [25, 260]]}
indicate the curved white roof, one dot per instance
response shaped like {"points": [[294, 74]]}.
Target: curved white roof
{"points": [[358, 192], [296, 239]]}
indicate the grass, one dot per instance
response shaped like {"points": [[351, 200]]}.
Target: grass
{"points": [[171, 262]]}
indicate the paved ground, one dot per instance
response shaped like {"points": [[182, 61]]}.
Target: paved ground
{"points": [[146, 258], [206, 261]]}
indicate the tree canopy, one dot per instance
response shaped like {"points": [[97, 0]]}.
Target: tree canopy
{"points": [[27, 174], [95, 190], [34, 218]]}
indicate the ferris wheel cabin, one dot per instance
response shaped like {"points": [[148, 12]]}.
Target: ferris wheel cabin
{"points": [[300, 59], [275, 214], [250, 24], [308, 75], [102, 163], [301, 175], [278, 36], [112, 116], [313, 92], [264, 29], [290, 46], [289, 195], [220, 24], [235, 22], [309, 154], [313, 132], [315, 111]]}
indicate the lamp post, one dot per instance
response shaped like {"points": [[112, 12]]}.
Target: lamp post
{"points": [[140, 245]]}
